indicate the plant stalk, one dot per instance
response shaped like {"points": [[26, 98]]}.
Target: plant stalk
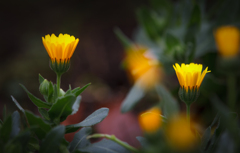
{"points": [[58, 83], [231, 82], [188, 114], [113, 138]]}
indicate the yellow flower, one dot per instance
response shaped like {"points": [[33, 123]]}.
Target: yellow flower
{"points": [[60, 48], [150, 121], [179, 134], [190, 75], [143, 66], [227, 40]]}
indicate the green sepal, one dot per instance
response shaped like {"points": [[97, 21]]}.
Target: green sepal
{"points": [[61, 67], [188, 96], [35, 100]]}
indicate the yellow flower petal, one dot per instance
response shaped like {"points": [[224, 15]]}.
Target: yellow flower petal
{"points": [[190, 75], [60, 48]]}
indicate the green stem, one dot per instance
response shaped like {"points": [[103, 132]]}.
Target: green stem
{"points": [[113, 138], [188, 114], [231, 81], [58, 83]]}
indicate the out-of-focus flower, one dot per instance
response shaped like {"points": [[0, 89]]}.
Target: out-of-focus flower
{"points": [[179, 134], [143, 66], [60, 50], [227, 40], [151, 120], [190, 77]]}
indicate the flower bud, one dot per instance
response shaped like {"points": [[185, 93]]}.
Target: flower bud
{"points": [[61, 93], [44, 87]]}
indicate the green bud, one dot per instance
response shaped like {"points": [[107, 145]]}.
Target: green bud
{"points": [[44, 87], [62, 93], [188, 96]]}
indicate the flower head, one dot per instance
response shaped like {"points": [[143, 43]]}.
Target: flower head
{"points": [[227, 40], [179, 134], [151, 120], [60, 50], [190, 75], [143, 65]]}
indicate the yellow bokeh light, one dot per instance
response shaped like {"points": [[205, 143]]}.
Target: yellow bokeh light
{"points": [[151, 120], [227, 40], [179, 134]]}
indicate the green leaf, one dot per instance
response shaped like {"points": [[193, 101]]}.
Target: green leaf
{"points": [[91, 120], [22, 139], [51, 143], [142, 141], [105, 146], [76, 105], [205, 138], [35, 100], [15, 124], [18, 105], [44, 113], [174, 46], [62, 108], [168, 103], [4, 113], [33, 144], [195, 19], [123, 39], [13, 148], [227, 118], [78, 91], [41, 79], [42, 127], [133, 97], [63, 149], [80, 139], [6, 129]]}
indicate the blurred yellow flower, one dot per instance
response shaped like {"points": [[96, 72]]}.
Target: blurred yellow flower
{"points": [[227, 40], [179, 134], [151, 120], [190, 75], [61, 48], [143, 66]]}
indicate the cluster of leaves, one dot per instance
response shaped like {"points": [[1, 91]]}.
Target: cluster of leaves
{"points": [[25, 132]]}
